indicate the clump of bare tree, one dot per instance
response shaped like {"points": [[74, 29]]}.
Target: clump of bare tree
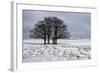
{"points": [[50, 28]]}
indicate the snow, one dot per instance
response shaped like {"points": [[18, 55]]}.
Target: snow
{"points": [[35, 51]]}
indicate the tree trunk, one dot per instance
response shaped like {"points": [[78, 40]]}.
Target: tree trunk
{"points": [[48, 39], [55, 37], [54, 41], [44, 38], [44, 41]]}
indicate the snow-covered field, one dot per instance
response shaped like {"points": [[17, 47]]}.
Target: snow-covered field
{"points": [[35, 51]]}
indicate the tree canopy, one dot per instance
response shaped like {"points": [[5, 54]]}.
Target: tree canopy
{"points": [[50, 28]]}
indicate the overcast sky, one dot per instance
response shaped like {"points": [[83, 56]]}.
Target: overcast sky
{"points": [[79, 24]]}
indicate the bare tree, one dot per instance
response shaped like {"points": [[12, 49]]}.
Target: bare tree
{"points": [[59, 30], [39, 31], [50, 28], [48, 22]]}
